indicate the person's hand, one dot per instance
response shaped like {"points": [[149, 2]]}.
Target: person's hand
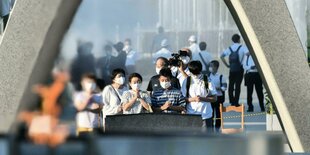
{"points": [[94, 106], [166, 105], [137, 94], [197, 99]]}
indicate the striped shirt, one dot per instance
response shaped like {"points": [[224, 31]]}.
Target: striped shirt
{"points": [[160, 97]]}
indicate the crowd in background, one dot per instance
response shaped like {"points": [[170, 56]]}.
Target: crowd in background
{"points": [[186, 82]]}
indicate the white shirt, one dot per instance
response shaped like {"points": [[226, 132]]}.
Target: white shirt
{"points": [[242, 51], [194, 48], [248, 63], [215, 79], [181, 77], [163, 52], [111, 99], [137, 107], [132, 57], [207, 57], [86, 119], [197, 88]]}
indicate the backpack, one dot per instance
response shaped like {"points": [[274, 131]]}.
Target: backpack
{"points": [[188, 84], [234, 62]]}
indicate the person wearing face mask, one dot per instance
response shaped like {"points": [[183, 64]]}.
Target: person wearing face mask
{"points": [[154, 83], [199, 93], [167, 99], [135, 101], [111, 94], [132, 57], [88, 105], [220, 84], [183, 71]]}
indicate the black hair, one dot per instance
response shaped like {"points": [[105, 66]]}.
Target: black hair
{"points": [[215, 63], [195, 67], [89, 76], [166, 62], [117, 71], [166, 72], [235, 38], [137, 75], [203, 46], [119, 46]]}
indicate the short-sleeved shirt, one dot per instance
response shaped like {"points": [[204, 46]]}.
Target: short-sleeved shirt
{"points": [[154, 83], [207, 57], [181, 77], [215, 79], [137, 106], [242, 51], [197, 88], [87, 119], [160, 97]]}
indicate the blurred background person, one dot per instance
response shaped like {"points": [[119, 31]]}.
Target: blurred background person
{"points": [[88, 104], [204, 57], [163, 52], [183, 71], [135, 100], [132, 57], [193, 46], [104, 65], [84, 62], [158, 38], [119, 59]]}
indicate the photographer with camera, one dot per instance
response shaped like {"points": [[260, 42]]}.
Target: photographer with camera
{"points": [[179, 64]]}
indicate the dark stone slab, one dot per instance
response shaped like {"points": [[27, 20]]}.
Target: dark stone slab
{"points": [[152, 122]]}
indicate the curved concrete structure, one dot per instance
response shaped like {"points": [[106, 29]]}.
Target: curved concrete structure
{"points": [[271, 37]]}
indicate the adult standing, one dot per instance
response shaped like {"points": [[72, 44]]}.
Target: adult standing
{"points": [[236, 54]]}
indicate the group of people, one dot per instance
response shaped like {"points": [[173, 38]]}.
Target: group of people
{"points": [[185, 83]]}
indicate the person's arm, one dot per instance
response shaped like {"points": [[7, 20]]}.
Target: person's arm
{"points": [[224, 54], [182, 71], [95, 108], [212, 98], [79, 103], [163, 107], [129, 103]]}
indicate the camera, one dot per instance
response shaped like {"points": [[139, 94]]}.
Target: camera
{"points": [[176, 58]]}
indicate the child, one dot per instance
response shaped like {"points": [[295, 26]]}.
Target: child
{"points": [[220, 85]]}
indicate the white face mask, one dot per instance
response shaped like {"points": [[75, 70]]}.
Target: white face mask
{"points": [[185, 60], [136, 86], [89, 86], [165, 85], [157, 70], [120, 80]]}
